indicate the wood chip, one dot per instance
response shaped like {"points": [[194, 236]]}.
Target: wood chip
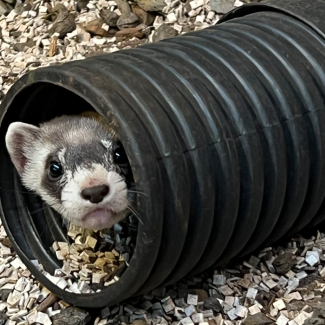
{"points": [[91, 242], [49, 301]]}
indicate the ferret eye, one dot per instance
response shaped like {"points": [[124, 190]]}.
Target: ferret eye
{"points": [[120, 157], [56, 170]]}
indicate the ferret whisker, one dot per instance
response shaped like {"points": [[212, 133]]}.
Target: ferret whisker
{"points": [[31, 212], [120, 181], [137, 192], [123, 189], [135, 213], [38, 210], [64, 200]]}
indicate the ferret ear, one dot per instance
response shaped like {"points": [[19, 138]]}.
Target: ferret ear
{"points": [[19, 139]]}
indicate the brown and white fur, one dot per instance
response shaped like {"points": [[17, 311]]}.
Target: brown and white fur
{"points": [[77, 166]]}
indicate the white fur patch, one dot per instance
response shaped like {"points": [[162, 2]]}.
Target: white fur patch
{"points": [[106, 143], [61, 154], [75, 207], [35, 167], [18, 139]]}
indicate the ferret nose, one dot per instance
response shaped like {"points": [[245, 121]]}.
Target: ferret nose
{"points": [[95, 194]]}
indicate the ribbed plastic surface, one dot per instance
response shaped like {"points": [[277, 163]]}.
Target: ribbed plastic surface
{"points": [[224, 129]]}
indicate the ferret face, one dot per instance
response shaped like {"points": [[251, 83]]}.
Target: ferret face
{"points": [[77, 166]]}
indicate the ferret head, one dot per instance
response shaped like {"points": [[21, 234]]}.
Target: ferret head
{"points": [[77, 166]]}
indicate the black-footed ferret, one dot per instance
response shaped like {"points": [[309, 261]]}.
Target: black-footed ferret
{"points": [[77, 165]]}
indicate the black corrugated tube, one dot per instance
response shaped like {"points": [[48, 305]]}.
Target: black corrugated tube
{"points": [[224, 127]]}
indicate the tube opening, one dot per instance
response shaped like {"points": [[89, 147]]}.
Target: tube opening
{"points": [[89, 260]]}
